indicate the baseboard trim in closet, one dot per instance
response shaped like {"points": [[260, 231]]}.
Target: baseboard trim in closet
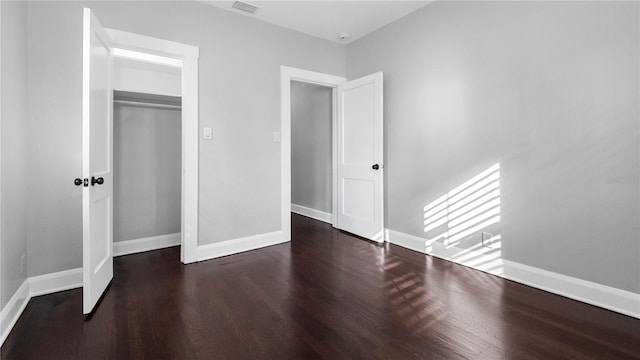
{"points": [[145, 244], [312, 213]]}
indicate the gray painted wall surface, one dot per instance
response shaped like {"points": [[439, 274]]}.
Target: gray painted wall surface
{"points": [[144, 77], [548, 90], [14, 147], [147, 166], [311, 146], [240, 61]]}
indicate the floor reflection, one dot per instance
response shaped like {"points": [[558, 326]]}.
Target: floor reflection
{"points": [[407, 297], [325, 295]]}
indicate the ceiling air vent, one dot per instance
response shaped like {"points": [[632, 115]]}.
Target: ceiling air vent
{"points": [[242, 6]]}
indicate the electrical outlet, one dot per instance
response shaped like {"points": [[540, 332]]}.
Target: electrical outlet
{"points": [[487, 239], [23, 263]]}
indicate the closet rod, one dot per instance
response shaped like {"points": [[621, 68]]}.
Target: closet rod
{"points": [[146, 104]]}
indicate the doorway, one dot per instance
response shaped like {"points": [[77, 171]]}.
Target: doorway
{"points": [[147, 162], [100, 45], [287, 76], [312, 151], [160, 52], [357, 151]]}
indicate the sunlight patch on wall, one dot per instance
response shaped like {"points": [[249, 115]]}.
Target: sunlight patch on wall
{"points": [[453, 221]]}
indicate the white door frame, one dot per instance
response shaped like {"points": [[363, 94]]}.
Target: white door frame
{"points": [[288, 74], [189, 55]]}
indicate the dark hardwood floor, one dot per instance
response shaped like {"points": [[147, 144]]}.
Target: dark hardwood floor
{"points": [[324, 295]]}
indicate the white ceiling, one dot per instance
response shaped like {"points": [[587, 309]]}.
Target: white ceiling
{"points": [[328, 19]]}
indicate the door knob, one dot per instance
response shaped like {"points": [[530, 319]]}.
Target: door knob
{"points": [[375, 166], [98, 181], [81, 182]]}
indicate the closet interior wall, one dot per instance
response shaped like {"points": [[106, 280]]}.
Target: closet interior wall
{"points": [[147, 165]]}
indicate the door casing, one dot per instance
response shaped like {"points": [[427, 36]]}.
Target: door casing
{"points": [[288, 74], [189, 55]]}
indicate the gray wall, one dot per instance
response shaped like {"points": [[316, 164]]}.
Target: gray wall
{"points": [[239, 86], [548, 90], [311, 146], [144, 77], [147, 157], [14, 148]]}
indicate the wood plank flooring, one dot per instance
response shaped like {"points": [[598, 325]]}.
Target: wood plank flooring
{"points": [[325, 295]]}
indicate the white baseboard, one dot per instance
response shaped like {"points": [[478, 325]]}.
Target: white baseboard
{"points": [[54, 282], [13, 309], [312, 213], [406, 241], [484, 259], [622, 301], [145, 244], [36, 286], [229, 247]]}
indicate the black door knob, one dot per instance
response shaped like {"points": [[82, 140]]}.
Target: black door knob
{"points": [[98, 181], [77, 181], [375, 166]]}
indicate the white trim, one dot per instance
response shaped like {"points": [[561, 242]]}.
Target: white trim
{"points": [[334, 155], [230, 247], [288, 74], [35, 286], [190, 167], [13, 309], [145, 244], [151, 45], [411, 242], [189, 55], [54, 282], [3, 315], [312, 213], [140, 56], [622, 301]]}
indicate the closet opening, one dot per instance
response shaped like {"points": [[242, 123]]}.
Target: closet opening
{"points": [[147, 153], [147, 158]]}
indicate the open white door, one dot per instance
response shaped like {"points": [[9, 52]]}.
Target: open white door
{"points": [[360, 153], [97, 199]]}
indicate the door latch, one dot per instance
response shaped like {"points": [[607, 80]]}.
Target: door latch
{"points": [[79, 181]]}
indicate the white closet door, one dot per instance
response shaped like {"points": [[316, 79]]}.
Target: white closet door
{"points": [[97, 132]]}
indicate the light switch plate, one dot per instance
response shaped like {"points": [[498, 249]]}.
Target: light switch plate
{"points": [[207, 133], [276, 136]]}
